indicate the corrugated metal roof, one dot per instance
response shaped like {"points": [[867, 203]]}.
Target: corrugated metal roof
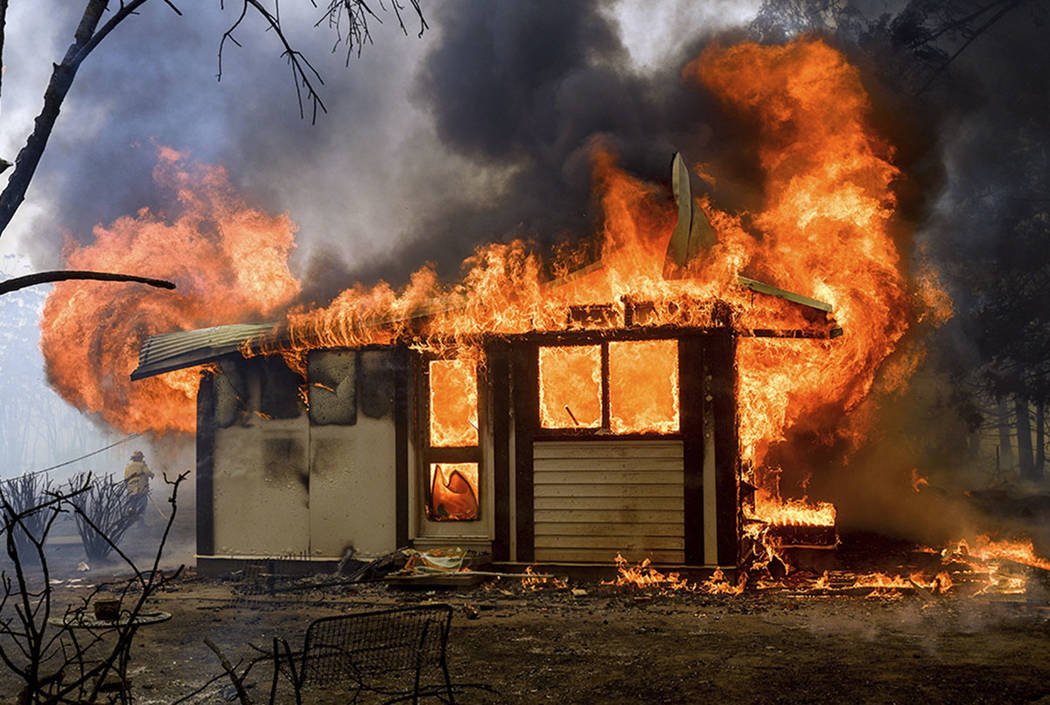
{"points": [[173, 351]]}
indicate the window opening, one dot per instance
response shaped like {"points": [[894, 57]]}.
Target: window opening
{"points": [[643, 386], [451, 452], [571, 386], [617, 387], [453, 403], [453, 491]]}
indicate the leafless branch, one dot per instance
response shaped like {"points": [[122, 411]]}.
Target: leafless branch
{"points": [[238, 684], [349, 19], [17, 283], [973, 35], [304, 75]]}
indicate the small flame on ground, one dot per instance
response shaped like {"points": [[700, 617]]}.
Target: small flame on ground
{"points": [[644, 575], [986, 549], [534, 581]]}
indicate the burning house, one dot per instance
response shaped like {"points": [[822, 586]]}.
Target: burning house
{"points": [[650, 391], [564, 424]]}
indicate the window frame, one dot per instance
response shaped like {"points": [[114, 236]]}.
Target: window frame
{"points": [[429, 454], [604, 431]]}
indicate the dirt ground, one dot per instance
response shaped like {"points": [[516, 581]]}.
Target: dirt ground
{"points": [[587, 642], [617, 645]]}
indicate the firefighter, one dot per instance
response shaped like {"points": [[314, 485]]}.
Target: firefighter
{"points": [[136, 479]]}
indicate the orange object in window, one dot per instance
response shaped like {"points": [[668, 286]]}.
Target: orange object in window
{"points": [[453, 492], [571, 386], [643, 386], [453, 403]]}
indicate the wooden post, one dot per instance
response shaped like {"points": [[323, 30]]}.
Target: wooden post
{"points": [[525, 368], [206, 465]]}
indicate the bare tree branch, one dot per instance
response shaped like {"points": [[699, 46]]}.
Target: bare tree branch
{"points": [[303, 73], [242, 694], [17, 283], [349, 18], [973, 35]]}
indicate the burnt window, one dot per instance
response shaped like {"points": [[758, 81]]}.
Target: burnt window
{"points": [[619, 387], [451, 450], [571, 386], [453, 400]]}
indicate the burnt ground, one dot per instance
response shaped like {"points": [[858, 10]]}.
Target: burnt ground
{"points": [[586, 642], [617, 645]]}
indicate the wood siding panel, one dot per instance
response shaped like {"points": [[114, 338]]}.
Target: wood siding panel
{"points": [[596, 477], [610, 504], [542, 465], [597, 555], [599, 529], [594, 499], [611, 543], [608, 449], [667, 491], [599, 516]]}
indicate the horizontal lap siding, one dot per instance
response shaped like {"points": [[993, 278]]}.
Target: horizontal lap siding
{"points": [[595, 499]]}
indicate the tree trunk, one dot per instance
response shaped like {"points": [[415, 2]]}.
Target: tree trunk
{"points": [[1024, 438], [61, 79], [3, 32], [1040, 438], [1006, 455]]}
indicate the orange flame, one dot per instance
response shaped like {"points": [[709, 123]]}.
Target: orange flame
{"points": [[453, 491], [534, 581], [453, 403], [828, 208], [643, 575], [987, 549], [228, 261], [918, 481]]}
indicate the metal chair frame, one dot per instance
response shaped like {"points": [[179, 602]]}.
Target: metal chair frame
{"points": [[367, 646]]}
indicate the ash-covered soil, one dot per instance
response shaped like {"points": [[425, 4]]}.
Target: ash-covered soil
{"points": [[594, 643]]}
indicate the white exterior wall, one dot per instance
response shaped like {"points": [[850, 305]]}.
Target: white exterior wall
{"points": [[290, 488], [352, 486]]}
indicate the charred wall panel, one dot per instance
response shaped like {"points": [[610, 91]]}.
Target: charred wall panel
{"points": [[353, 468], [332, 387], [231, 394], [376, 383], [260, 494], [278, 389]]}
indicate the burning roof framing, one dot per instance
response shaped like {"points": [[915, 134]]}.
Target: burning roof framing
{"points": [[181, 349]]}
